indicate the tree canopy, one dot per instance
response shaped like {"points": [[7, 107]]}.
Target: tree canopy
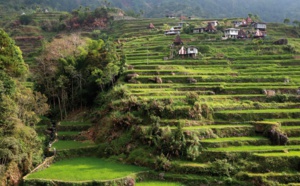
{"points": [[71, 73], [20, 110]]}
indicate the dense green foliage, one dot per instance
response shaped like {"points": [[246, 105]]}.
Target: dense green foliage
{"points": [[20, 107], [72, 70]]}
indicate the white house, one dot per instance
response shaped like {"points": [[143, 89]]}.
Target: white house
{"points": [[237, 23], [260, 26], [231, 32], [192, 51], [177, 27], [189, 51], [171, 16], [198, 30], [172, 31]]}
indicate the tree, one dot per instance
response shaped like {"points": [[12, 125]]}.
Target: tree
{"points": [[286, 21], [166, 27], [20, 110], [296, 23], [188, 29], [11, 60], [26, 19], [73, 69]]}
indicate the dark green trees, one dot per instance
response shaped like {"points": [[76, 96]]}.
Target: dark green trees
{"points": [[73, 70]]}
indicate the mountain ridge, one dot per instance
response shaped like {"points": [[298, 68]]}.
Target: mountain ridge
{"points": [[268, 10]]}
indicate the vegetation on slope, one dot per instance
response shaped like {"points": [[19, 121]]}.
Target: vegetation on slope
{"points": [[20, 147], [163, 106]]}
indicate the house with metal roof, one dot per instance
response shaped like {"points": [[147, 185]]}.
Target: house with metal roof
{"points": [[231, 32], [260, 26]]}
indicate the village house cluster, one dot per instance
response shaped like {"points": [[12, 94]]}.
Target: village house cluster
{"points": [[242, 29]]}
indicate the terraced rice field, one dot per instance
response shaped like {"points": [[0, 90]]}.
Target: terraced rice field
{"points": [[158, 183], [85, 169], [68, 136], [230, 77]]}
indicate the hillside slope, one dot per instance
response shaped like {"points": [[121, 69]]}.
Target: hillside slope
{"points": [[268, 10], [206, 115], [228, 116]]}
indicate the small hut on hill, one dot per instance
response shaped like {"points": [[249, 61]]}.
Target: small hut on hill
{"points": [[248, 20], [192, 51], [259, 34], [243, 23], [151, 26], [178, 41], [210, 28], [182, 18], [242, 34], [182, 52], [189, 51]]}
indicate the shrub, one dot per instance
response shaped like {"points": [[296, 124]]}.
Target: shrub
{"points": [[196, 111], [191, 98], [162, 163], [222, 168], [124, 121], [25, 19], [203, 49], [272, 131]]}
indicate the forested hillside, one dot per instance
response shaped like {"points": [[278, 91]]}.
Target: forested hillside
{"points": [[20, 108], [269, 10]]}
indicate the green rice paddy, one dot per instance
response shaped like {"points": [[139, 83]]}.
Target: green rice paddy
{"points": [[68, 144], [71, 123], [158, 183], [280, 154], [255, 148], [254, 138], [86, 169]]}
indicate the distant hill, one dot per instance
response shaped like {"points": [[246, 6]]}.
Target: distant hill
{"points": [[268, 10]]}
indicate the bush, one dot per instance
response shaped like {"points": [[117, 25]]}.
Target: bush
{"points": [[25, 19], [162, 163], [191, 98], [203, 49], [222, 168]]}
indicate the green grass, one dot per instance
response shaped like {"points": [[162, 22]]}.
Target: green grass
{"points": [[272, 174], [67, 133], [69, 123], [214, 127], [158, 183], [261, 111], [234, 139], [254, 148], [280, 154], [85, 169], [190, 164], [64, 144], [294, 138]]}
